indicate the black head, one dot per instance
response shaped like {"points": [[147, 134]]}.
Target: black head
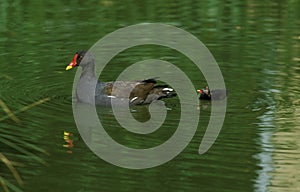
{"points": [[204, 93]]}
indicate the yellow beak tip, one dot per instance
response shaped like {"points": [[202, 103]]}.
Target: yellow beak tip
{"points": [[68, 68]]}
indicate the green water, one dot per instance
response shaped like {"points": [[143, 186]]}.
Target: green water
{"points": [[256, 44]]}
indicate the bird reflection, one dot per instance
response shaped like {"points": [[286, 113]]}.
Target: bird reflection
{"points": [[68, 141]]}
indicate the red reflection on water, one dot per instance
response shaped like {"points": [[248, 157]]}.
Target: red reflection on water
{"points": [[68, 141]]}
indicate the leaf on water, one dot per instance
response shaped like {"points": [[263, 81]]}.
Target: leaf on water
{"points": [[24, 108], [11, 168], [22, 150], [10, 139], [9, 185], [34, 104], [36, 148], [15, 140], [3, 184], [11, 132], [9, 112]]}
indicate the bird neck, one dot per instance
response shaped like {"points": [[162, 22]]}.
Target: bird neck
{"points": [[88, 71]]}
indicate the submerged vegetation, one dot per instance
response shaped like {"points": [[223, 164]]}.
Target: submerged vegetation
{"points": [[14, 147]]}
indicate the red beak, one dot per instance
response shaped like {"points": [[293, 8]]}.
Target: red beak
{"points": [[200, 91], [73, 62]]}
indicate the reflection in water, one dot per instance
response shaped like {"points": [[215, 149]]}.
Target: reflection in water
{"points": [[95, 134], [69, 141], [266, 130], [279, 129], [286, 157]]}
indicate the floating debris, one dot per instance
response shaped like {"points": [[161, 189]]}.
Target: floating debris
{"points": [[11, 168], [12, 115], [9, 112]]}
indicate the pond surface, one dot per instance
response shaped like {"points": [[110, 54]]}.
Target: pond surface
{"points": [[257, 47]]}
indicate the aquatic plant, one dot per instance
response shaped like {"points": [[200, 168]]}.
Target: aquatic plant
{"points": [[15, 146]]}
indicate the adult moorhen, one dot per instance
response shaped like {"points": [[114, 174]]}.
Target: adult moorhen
{"points": [[141, 92]]}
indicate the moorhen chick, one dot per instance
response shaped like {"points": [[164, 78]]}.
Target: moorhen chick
{"points": [[142, 92], [207, 94]]}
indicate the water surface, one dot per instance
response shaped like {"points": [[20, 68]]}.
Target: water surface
{"points": [[256, 45]]}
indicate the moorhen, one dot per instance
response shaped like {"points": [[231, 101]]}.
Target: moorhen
{"points": [[142, 92], [207, 94]]}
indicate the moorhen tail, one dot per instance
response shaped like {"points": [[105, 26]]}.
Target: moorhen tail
{"points": [[140, 92]]}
